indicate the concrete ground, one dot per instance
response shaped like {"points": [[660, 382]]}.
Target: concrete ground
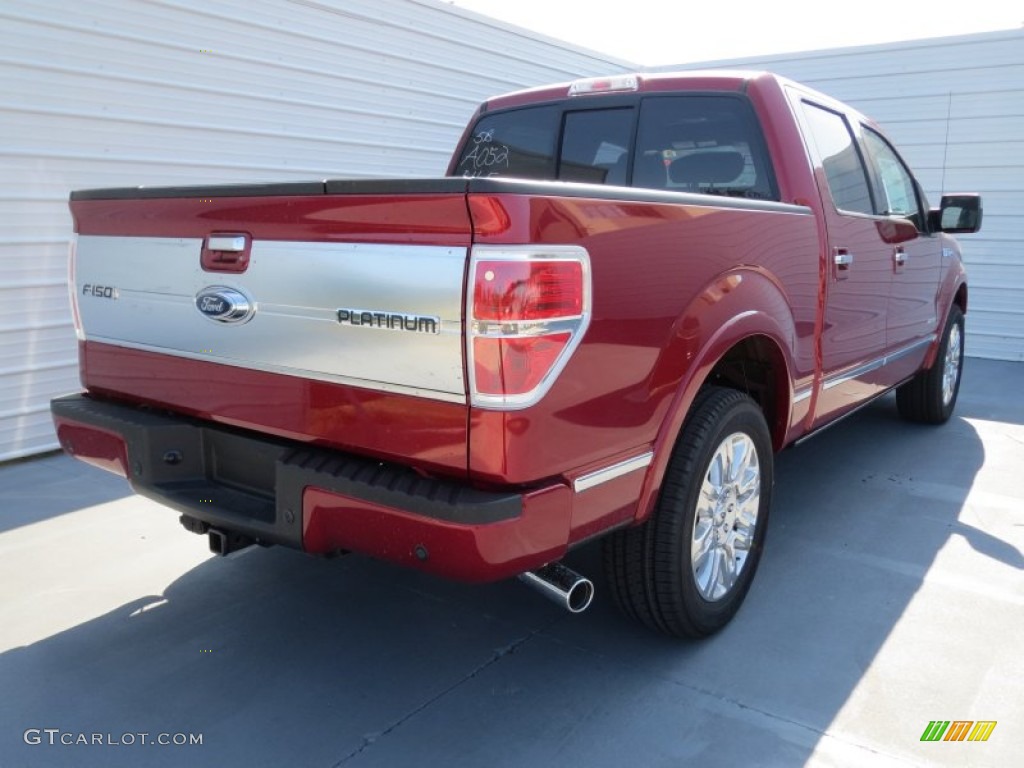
{"points": [[890, 595]]}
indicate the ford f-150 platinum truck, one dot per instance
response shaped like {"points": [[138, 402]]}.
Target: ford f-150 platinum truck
{"points": [[627, 294]]}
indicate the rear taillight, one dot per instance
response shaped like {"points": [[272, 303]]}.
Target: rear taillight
{"points": [[528, 307], [73, 289]]}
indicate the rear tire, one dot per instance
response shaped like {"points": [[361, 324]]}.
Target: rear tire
{"points": [[930, 397], [686, 571]]}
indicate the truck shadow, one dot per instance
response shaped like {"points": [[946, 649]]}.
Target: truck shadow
{"points": [[49, 486], [279, 659]]}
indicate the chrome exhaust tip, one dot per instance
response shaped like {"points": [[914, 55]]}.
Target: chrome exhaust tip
{"points": [[561, 585]]}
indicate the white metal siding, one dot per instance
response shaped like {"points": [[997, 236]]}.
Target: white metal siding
{"points": [[954, 107], [114, 93]]}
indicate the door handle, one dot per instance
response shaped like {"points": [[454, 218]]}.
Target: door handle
{"points": [[900, 257], [842, 260]]}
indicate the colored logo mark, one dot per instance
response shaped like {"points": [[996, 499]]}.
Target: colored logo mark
{"points": [[958, 730]]}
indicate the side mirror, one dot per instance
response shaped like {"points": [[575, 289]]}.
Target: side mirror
{"points": [[957, 214]]}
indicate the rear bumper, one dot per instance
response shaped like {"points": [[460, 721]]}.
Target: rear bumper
{"points": [[320, 501]]}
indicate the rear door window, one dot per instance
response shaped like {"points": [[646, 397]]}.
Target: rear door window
{"points": [[844, 168]]}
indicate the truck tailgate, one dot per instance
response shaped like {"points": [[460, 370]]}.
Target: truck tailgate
{"points": [[327, 318]]}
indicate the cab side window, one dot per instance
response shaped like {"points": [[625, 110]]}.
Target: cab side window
{"points": [[844, 168], [898, 196]]}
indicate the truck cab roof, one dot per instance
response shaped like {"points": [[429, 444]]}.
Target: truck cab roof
{"points": [[702, 80]]}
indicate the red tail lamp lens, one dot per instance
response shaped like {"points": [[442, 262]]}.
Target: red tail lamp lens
{"points": [[528, 308], [509, 291], [515, 366]]}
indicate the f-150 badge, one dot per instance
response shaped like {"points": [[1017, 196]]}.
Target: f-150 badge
{"points": [[225, 305]]}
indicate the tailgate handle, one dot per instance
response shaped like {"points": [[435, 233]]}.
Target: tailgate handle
{"points": [[226, 252], [226, 243]]}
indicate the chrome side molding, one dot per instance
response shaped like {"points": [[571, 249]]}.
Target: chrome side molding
{"points": [[597, 477]]}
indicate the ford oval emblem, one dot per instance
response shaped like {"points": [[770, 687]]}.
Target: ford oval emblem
{"points": [[224, 305]]}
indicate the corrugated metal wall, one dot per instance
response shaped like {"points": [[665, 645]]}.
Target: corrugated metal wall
{"points": [[954, 106], [108, 93]]}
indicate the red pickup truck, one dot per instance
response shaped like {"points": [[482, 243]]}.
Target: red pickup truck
{"points": [[625, 297]]}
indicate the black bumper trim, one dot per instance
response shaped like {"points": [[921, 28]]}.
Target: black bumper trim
{"points": [[251, 483]]}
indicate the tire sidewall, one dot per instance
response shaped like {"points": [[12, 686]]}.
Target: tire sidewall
{"points": [[743, 416], [956, 318]]}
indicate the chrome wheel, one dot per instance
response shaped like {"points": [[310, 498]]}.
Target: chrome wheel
{"points": [[951, 365], [726, 516], [930, 397], [687, 569]]}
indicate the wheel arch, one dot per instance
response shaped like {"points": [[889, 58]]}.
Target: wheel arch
{"points": [[955, 295], [960, 299], [747, 354]]}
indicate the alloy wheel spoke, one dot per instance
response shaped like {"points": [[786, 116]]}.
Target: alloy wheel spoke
{"points": [[951, 367], [716, 475], [701, 545], [726, 517], [729, 572]]}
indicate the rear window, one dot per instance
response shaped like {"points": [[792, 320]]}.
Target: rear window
{"points": [[519, 143], [707, 144], [595, 146], [691, 143]]}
